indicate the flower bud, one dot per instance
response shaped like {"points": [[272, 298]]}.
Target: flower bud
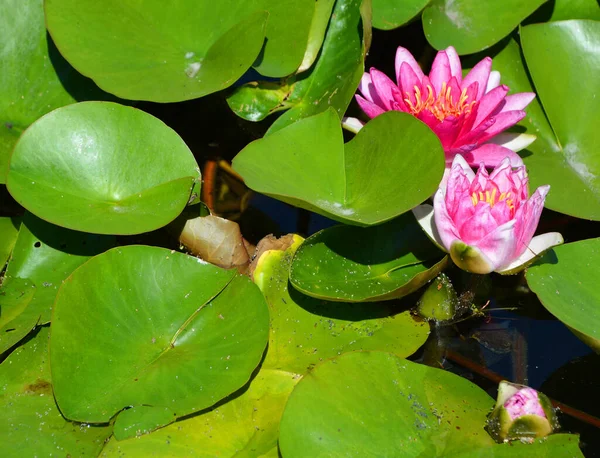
{"points": [[521, 413]]}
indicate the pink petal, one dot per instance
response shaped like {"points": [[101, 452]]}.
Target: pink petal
{"points": [[478, 225], [440, 71], [455, 90], [528, 218], [525, 402], [502, 122], [503, 176], [370, 109], [455, 66], [499, 246], [368, 90], [403, 56], [492, 155], [463, 166], [518, 101], [444, 226], [408, 82], [386, 89], [502, 212], [447, 130], [480, 74], [490, 102]]}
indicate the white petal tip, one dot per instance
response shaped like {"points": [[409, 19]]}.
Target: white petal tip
{"points": [[513, 140], [536, 248], [352, 124], [424, 216]]}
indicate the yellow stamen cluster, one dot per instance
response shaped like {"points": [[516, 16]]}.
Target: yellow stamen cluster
{"points": [[490, 198], [442, 106]]}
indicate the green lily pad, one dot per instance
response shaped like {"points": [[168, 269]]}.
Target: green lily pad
{"points": [[247, 425], [157, 51], [570, 49], [563, 10], [565, 280], [17, 319], [35, 79], [103, 168], [566, 163], [353, 264], [31, 424], [554, 446], [334, 78], [255, 101], [46, 254], [147, 326], [306, 331], [391, 14], [375, 403], [287, 35], [9, 228], [473, 25], [316, 33], [393, 164]]}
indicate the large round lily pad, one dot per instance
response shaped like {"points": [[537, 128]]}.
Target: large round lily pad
{"points": [[393, 164], [568, 158], [102, 167], [145, 326], [563, 156], [377, 404], [155, 50], [354, 264], [35, 79]]}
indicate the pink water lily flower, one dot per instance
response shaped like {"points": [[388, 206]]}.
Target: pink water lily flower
{"points": [[486, 221], [465, 113]]}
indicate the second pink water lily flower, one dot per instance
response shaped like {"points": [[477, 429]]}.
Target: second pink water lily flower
{"points": [[467, 114], [486, 221]]}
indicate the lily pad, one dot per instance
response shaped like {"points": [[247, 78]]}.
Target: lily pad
{"points": [[564, 163], [375, 403], [316, 34], [31, 424], [473, 25], [247, 425], [554, 446], [35, 79], [9, 228], [353, 264], [331, 82], [306, 331], [17, 319], [570, 48], [287, 34], [157, 51], [565, 280], [103, 168], [391, 14], [393, 164], [169, 331], [46, 254]]}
